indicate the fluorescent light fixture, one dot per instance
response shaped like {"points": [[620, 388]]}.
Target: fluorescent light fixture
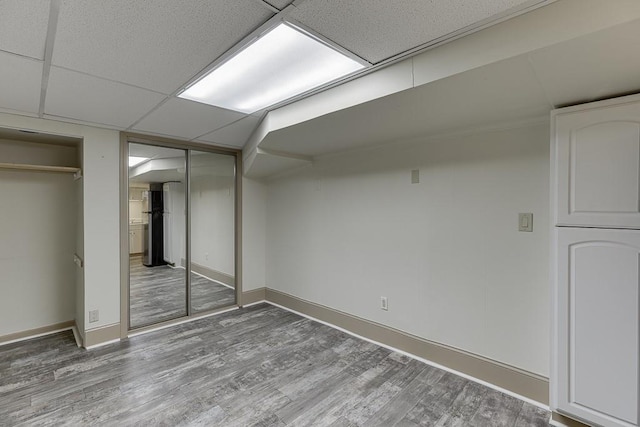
{"points": [[282, 63], [133, 160]]}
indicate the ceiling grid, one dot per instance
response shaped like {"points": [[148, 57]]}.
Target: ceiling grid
{"points": [[52, 25]]}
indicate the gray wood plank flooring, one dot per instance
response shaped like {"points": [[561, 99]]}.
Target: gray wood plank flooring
{"points": [[257, 366], [159, 293]]}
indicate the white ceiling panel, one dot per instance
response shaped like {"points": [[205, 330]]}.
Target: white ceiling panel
{"points": [[90, 99], [235, 134], [23, 26], [379, 29], [158, 44], [186, 119], [497, 93], [601, 65], [20, 81]]}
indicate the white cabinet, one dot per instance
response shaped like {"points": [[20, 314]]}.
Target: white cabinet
{"points": [[597, 331], [137, 193], [136, 234], [595, 165], [596, 153]]}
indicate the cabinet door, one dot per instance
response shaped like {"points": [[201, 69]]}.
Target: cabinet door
{"points": [[137, 243], [596, 300], [597, 166]]}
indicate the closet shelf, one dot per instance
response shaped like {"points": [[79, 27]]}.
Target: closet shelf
{"points": [[40, 168]]}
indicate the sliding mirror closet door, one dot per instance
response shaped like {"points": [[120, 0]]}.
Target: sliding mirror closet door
{"points": [[157, 234], [212, 230]]}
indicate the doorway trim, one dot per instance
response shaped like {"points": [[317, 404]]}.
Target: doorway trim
{"points": [[125, 139]]}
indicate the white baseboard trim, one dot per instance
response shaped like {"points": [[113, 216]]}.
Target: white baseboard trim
{"points": [[76, 335], [36, 333], [253, 296], [103, 335]]}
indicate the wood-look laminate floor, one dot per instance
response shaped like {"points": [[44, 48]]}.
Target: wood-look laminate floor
{"points": [[159, 293], [257, 366]]}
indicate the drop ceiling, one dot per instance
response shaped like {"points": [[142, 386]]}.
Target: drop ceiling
{"points": [[120, 63], [435, 67]]}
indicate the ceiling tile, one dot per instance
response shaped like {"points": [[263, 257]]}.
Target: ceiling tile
{"points": [[90, 99], [23, 26], [186, 119], [235, 134], [379, 29], [600, 65], [158, 45], [20, 82]]}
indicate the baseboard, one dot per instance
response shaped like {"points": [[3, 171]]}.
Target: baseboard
{"points": [[37, 332], [560, 420], [100, 336], [253, 296], [511, 379], [78, 334], [216, 275]]}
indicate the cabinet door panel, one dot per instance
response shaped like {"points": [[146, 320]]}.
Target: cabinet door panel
{"points": [[598, 316], [597, 156]]}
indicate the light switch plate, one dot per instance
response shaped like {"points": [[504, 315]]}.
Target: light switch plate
{"points": [[415, 176], [525, 222]]}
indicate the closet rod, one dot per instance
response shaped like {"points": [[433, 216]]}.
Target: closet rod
{"points": [[39, 168]]}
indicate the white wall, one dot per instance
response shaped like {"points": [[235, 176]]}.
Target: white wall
{"points": [[101, 232], [254, 205], [446, 252], [38, 239], [101, 166]]}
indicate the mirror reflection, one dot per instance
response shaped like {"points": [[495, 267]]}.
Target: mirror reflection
{"points": [[157, 275], [212, 215]]}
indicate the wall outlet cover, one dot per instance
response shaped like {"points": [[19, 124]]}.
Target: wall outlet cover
{"points": [[94, 316]]}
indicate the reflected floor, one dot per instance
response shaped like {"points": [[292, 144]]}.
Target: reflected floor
{"points": [[158, 293]]}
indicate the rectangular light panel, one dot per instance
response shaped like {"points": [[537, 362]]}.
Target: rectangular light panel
{"points": [[282, 63]]}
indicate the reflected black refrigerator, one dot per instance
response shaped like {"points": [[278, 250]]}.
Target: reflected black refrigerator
{"points": [[153, 252]]}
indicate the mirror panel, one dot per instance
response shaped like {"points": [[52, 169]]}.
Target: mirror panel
{"points": [[157, 234], [212, 217]]}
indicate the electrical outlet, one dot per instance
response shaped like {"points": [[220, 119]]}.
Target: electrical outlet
{"points": [[384, 303], [206, 256], [94, 316]]}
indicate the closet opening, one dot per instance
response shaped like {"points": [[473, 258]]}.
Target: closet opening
{"points": [[41, 250]]}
